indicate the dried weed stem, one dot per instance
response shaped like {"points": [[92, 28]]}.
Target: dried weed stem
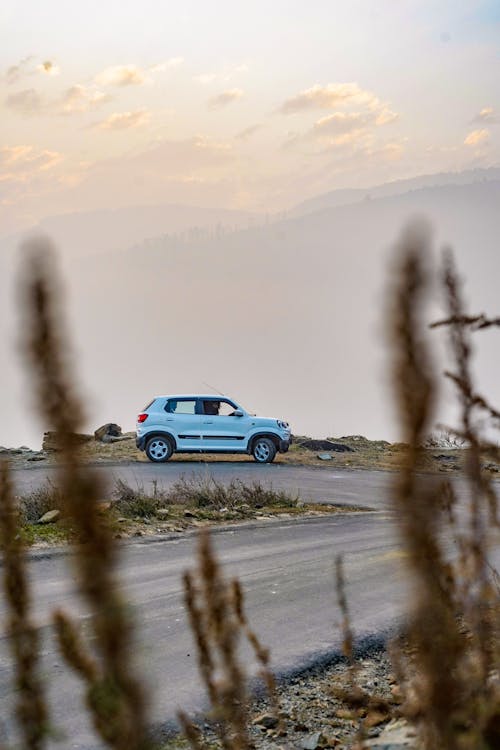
{"points": [[114, 694], [31, 707]]}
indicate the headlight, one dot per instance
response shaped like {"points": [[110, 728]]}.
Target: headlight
{"points": [[282, 425]]}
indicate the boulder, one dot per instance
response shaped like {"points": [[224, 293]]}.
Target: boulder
{"points": [[52, 441], [324, 445], [111, 429], [50, 517]]}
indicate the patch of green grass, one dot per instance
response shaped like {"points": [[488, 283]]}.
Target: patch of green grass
{"points": [[50, 533]]}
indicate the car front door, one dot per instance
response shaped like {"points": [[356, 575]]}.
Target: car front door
{"points": [[220, 429], [184, 420]]}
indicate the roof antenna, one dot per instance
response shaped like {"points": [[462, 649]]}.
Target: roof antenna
{"points": [[214, 389]]}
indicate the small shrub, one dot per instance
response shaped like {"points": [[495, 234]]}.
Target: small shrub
{"points": [[37, 502], [132, 502], [213, 495]]}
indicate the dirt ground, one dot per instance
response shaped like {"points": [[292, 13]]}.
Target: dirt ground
{"points": [[353, 452]]}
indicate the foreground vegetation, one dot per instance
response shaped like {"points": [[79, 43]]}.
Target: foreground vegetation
{"points": [[188, 504], [446, 661]]}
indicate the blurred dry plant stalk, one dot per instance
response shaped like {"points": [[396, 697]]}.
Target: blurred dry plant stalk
{"points": [[218, 620], [114, 695], [31, 708], [450, 666]]}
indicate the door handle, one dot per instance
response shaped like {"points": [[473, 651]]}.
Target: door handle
{"points": [[208, 421]]}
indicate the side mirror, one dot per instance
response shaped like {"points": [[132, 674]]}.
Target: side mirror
{"points": [[237, 413]]}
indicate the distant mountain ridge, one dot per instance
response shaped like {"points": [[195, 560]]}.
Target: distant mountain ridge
{"points": [[344, 197]]}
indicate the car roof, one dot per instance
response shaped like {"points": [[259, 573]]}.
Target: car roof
{"points": [[209, 396]]}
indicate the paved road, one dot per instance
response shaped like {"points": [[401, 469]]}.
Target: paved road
{"points": [[323, 485], [286, 569]]}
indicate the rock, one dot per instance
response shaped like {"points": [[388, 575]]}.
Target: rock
{"points": [[189, 514], [312, 741], [325, 456], [51, 440], [110, 428], [269, 721], [50, 517], [113, 439], [37, 457], [325, 445], [163, 512], [397, 735]]}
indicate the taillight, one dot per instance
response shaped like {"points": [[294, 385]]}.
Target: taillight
{"points": [[142, 418]]}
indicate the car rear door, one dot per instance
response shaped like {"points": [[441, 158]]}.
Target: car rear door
{"points": [[184, 420]]}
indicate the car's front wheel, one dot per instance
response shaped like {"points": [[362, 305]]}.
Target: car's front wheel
{"points": [[263, 450], [159, 449]]}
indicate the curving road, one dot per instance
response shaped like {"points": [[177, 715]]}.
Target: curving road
{"points": [[286, 568]]}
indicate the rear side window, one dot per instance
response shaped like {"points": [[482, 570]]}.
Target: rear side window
{"points": [[180, 406]]}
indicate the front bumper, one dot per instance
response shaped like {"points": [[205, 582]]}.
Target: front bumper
{"points": [[285, 444]]}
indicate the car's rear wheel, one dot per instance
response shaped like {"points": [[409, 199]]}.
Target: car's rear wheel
{"points": [[159, 449], [263, 450]]}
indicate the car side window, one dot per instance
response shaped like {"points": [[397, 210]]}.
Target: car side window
{"points": [[218, 408], [180, 406]]}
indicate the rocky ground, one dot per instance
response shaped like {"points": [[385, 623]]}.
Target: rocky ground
{"points": [[314, 716], [353, 452]]}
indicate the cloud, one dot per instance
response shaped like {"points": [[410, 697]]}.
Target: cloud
{"points": [[205, 78], [487, 114], [174, 62], [22, 68], [121, 75], [223, 76], [245, 134], [17, 163], [79, 98], [477, 137], [27, 102], [48, 68], [331, 96], [125, 120], [225, 98]]}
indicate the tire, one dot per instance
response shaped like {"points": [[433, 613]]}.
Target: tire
{"points": [[159, 449], [263, 450]]}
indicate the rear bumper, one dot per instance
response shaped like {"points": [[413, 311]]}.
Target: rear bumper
{"points": [[140, 442]]}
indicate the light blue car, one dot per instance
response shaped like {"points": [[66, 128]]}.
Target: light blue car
{"points": [[207, 424]]}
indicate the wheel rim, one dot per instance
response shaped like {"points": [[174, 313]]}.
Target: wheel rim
{"points": [[261, 451], [158, 449]]}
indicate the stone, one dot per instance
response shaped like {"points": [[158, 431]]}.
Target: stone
{"points": [[189, 514], [163, 512], [325, 456], [311, 742], [325, 445], [36, 457], [268, 721], [51, 440], [50, 517], [110, 428]]}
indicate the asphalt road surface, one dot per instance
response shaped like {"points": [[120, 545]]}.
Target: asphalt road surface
{"points": [[286, 569], [321, 485]]}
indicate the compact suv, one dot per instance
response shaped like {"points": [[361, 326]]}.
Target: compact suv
{"points": [[207, 424]]}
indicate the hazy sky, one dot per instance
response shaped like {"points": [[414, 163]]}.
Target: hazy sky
{"points": [[250, 105]]}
